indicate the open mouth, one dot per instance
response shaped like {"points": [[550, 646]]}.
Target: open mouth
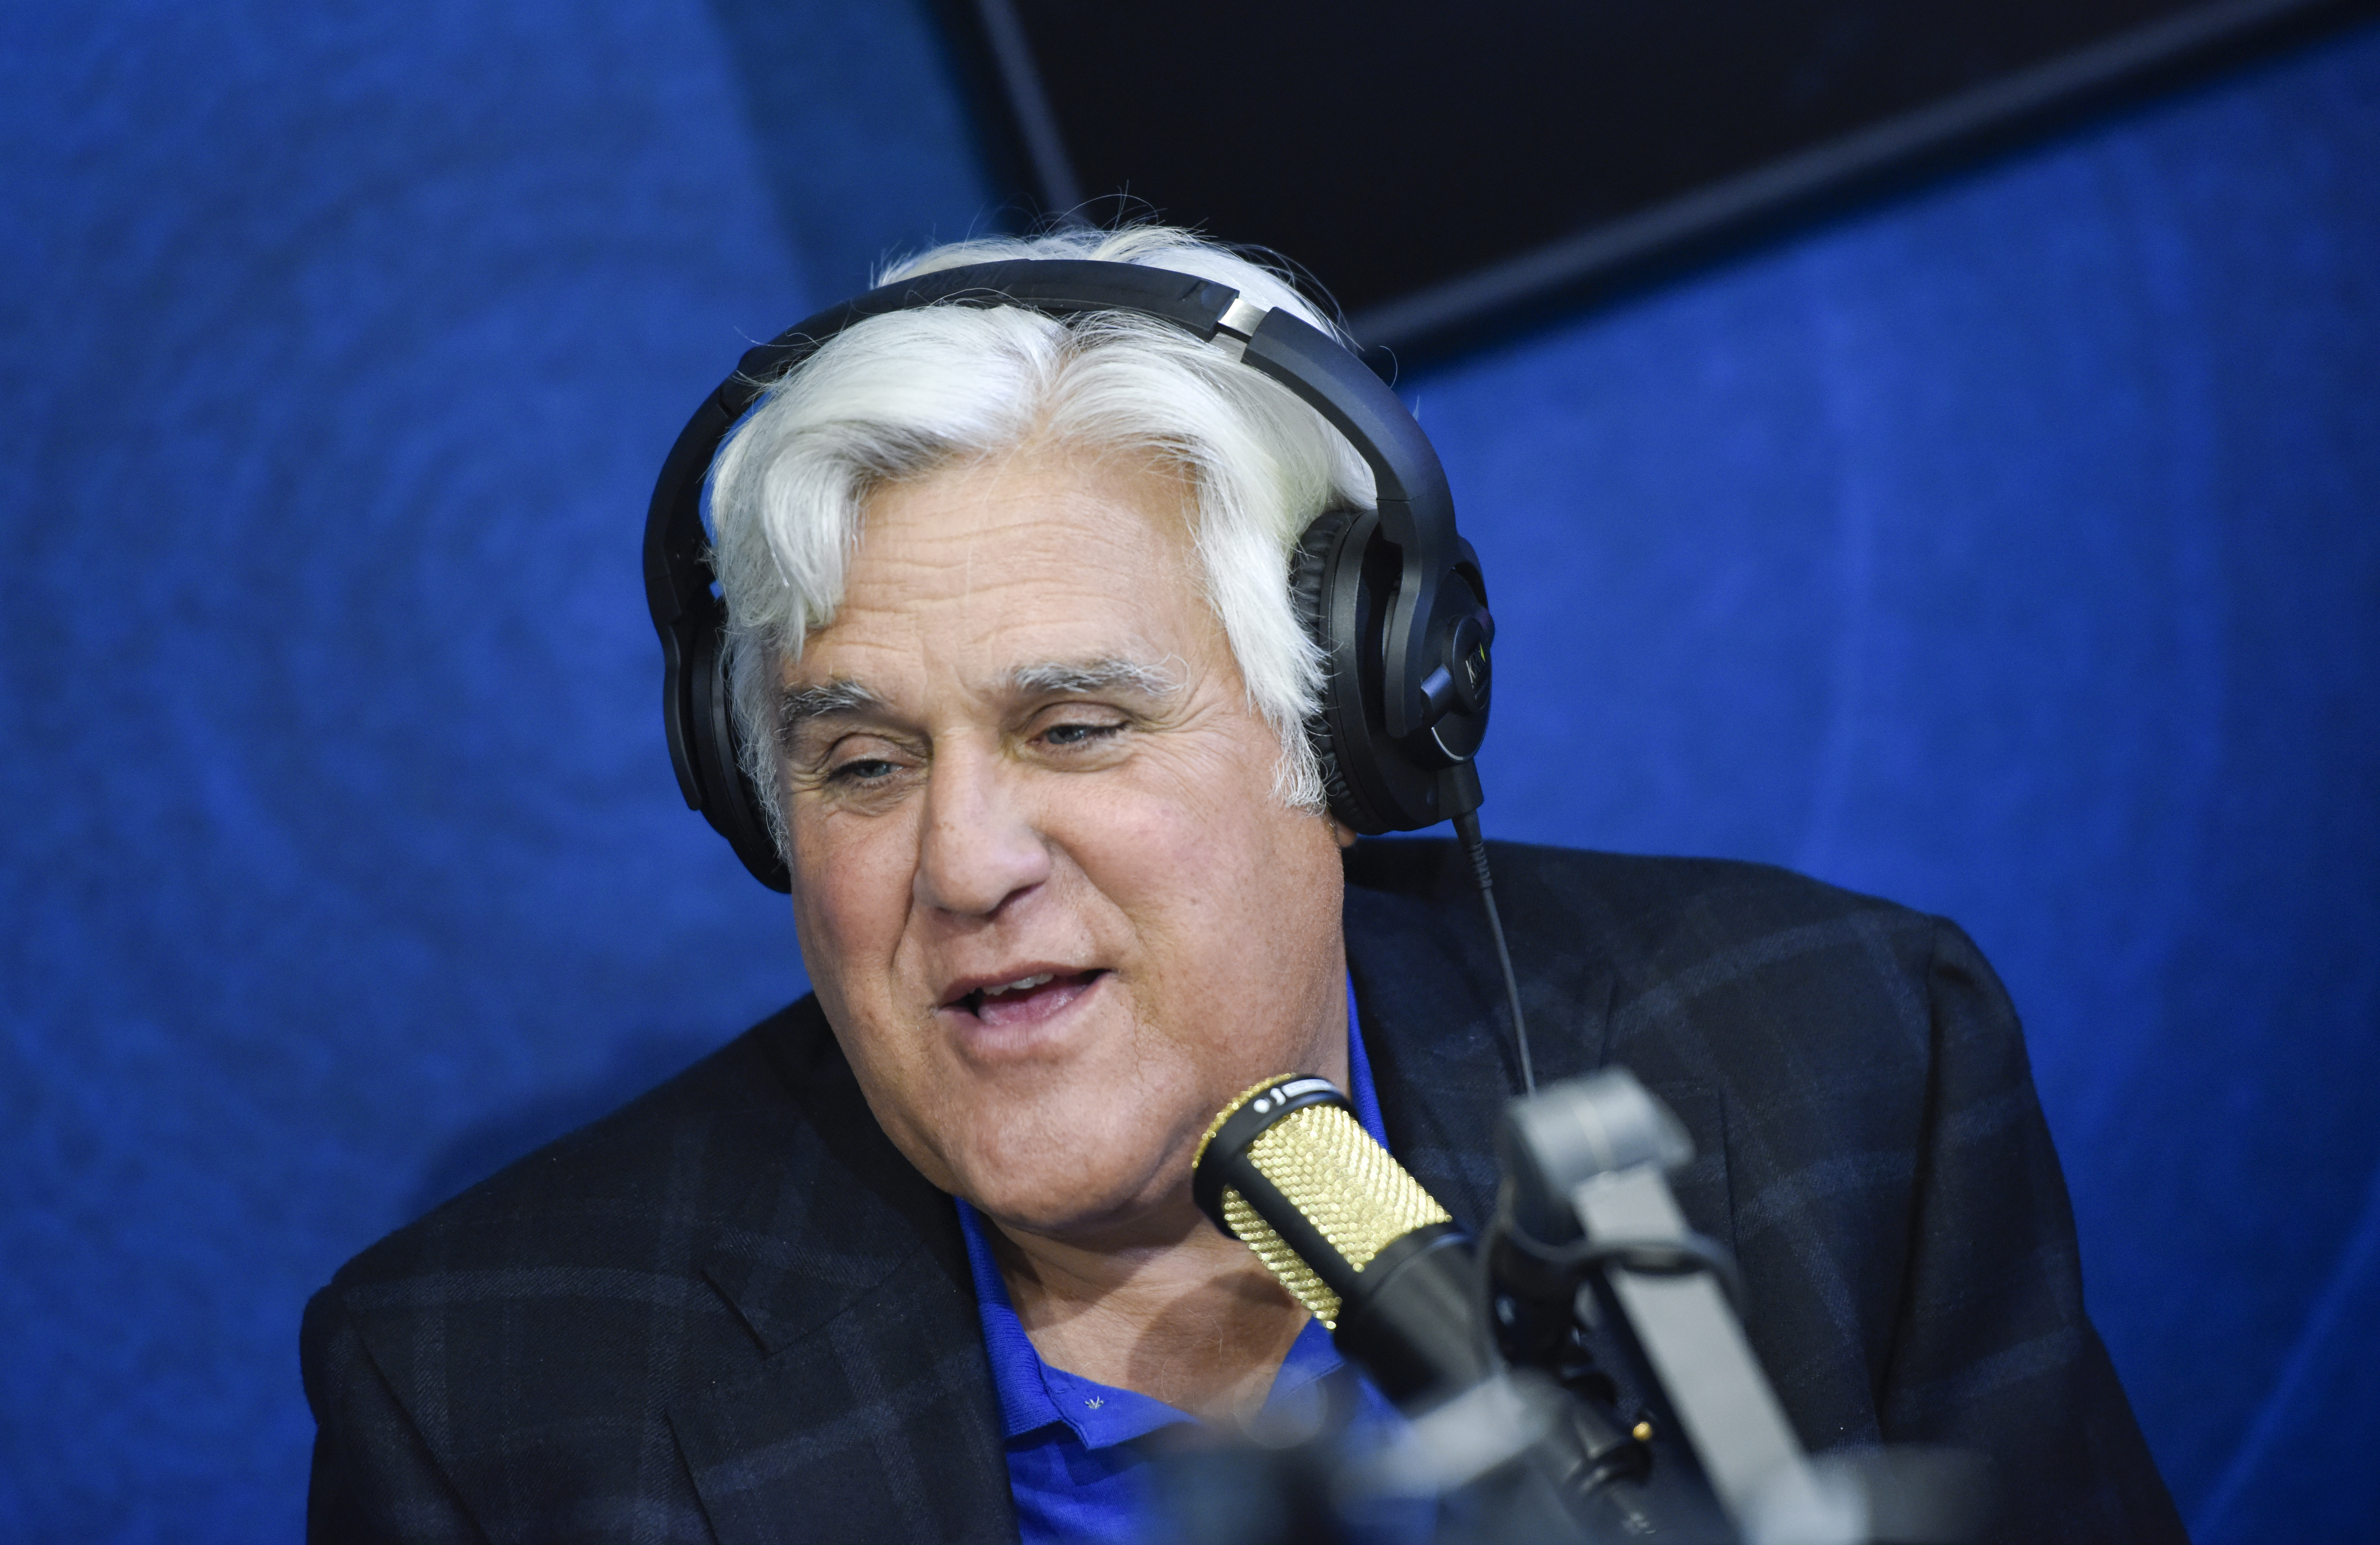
{"points": [[1027, 999]]}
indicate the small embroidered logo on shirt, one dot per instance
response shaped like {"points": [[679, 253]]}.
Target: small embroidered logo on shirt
{"points": [[1096, 1402]]}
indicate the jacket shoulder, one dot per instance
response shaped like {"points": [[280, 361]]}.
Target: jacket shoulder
{"points": [[525, 1351], [680, 1152], [1580, 883], [1634, 923]]}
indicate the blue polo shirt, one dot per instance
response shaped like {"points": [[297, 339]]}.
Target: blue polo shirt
{"points": [[1070, 1465]]}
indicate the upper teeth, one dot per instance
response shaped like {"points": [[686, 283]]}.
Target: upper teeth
{"points": [[1022, 984]]}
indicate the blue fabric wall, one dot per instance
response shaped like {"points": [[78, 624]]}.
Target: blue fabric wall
{"points": [[2010, 550]]}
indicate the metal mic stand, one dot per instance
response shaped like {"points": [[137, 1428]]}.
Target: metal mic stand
{"points": [[1586, 1197], [1531, 1445]]}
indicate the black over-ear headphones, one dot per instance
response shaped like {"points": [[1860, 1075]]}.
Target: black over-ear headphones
{"points": [[1393, 595]]}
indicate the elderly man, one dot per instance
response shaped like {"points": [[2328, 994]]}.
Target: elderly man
{"points": [[1025, 660]]}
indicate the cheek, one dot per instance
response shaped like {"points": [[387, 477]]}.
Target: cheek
{"points": [[852, 884], [1144, 835], [1209, 851]]}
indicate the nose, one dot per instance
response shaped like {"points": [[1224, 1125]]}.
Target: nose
{"points": [[980, 844]]}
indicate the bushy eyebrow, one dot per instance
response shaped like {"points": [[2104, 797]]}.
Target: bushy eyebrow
{"points": [[1092, 677], [796, 705]]}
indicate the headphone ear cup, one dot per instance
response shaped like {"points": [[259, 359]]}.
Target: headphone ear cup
{"points": [[1314, 579], [1342, 582], [729, 801]]}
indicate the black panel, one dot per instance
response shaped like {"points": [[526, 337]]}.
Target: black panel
{"points": [[1439, 164]]}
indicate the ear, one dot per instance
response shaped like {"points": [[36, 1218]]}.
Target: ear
{"points": [[1341, 833]]}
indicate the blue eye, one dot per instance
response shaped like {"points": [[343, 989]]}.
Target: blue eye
{"points": [[865, 770]]}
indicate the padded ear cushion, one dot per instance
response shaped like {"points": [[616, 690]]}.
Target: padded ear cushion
{"points": [[1343, 581], [1312, 576], [729, 801]]}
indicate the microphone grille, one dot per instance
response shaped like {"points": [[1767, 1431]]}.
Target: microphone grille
{"points": [[1358, 1198], [1280, 1260]]}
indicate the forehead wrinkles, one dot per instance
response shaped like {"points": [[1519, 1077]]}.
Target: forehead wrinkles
{"points": [[1070, 518], [1023, 487], [1047, 567]]}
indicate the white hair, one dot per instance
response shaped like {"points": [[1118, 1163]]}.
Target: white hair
{"points": [[904, 394]]}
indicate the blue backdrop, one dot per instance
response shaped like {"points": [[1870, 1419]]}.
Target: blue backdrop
{"points": [[2009, 548]]}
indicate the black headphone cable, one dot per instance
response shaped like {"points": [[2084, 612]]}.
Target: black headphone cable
{"points": [[1466, 826]]}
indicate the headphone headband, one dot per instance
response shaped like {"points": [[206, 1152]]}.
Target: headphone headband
{"points": [[1416, 507]]}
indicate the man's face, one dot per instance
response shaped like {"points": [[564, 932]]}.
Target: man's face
{"points": [[1046, 893]]}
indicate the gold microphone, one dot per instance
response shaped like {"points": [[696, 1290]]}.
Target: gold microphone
{"points": [[1288, 1169]]}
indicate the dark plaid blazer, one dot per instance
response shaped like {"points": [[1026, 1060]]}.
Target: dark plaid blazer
{"points": [[732, 1311]]}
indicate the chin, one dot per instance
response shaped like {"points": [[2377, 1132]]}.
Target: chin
{"points": [[1075, 1185], [1059, 1211]]}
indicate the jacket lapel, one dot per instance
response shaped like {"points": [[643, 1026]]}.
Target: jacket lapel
{"points": [[870, 1415], [1439, 1039], [1431, 999]]}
